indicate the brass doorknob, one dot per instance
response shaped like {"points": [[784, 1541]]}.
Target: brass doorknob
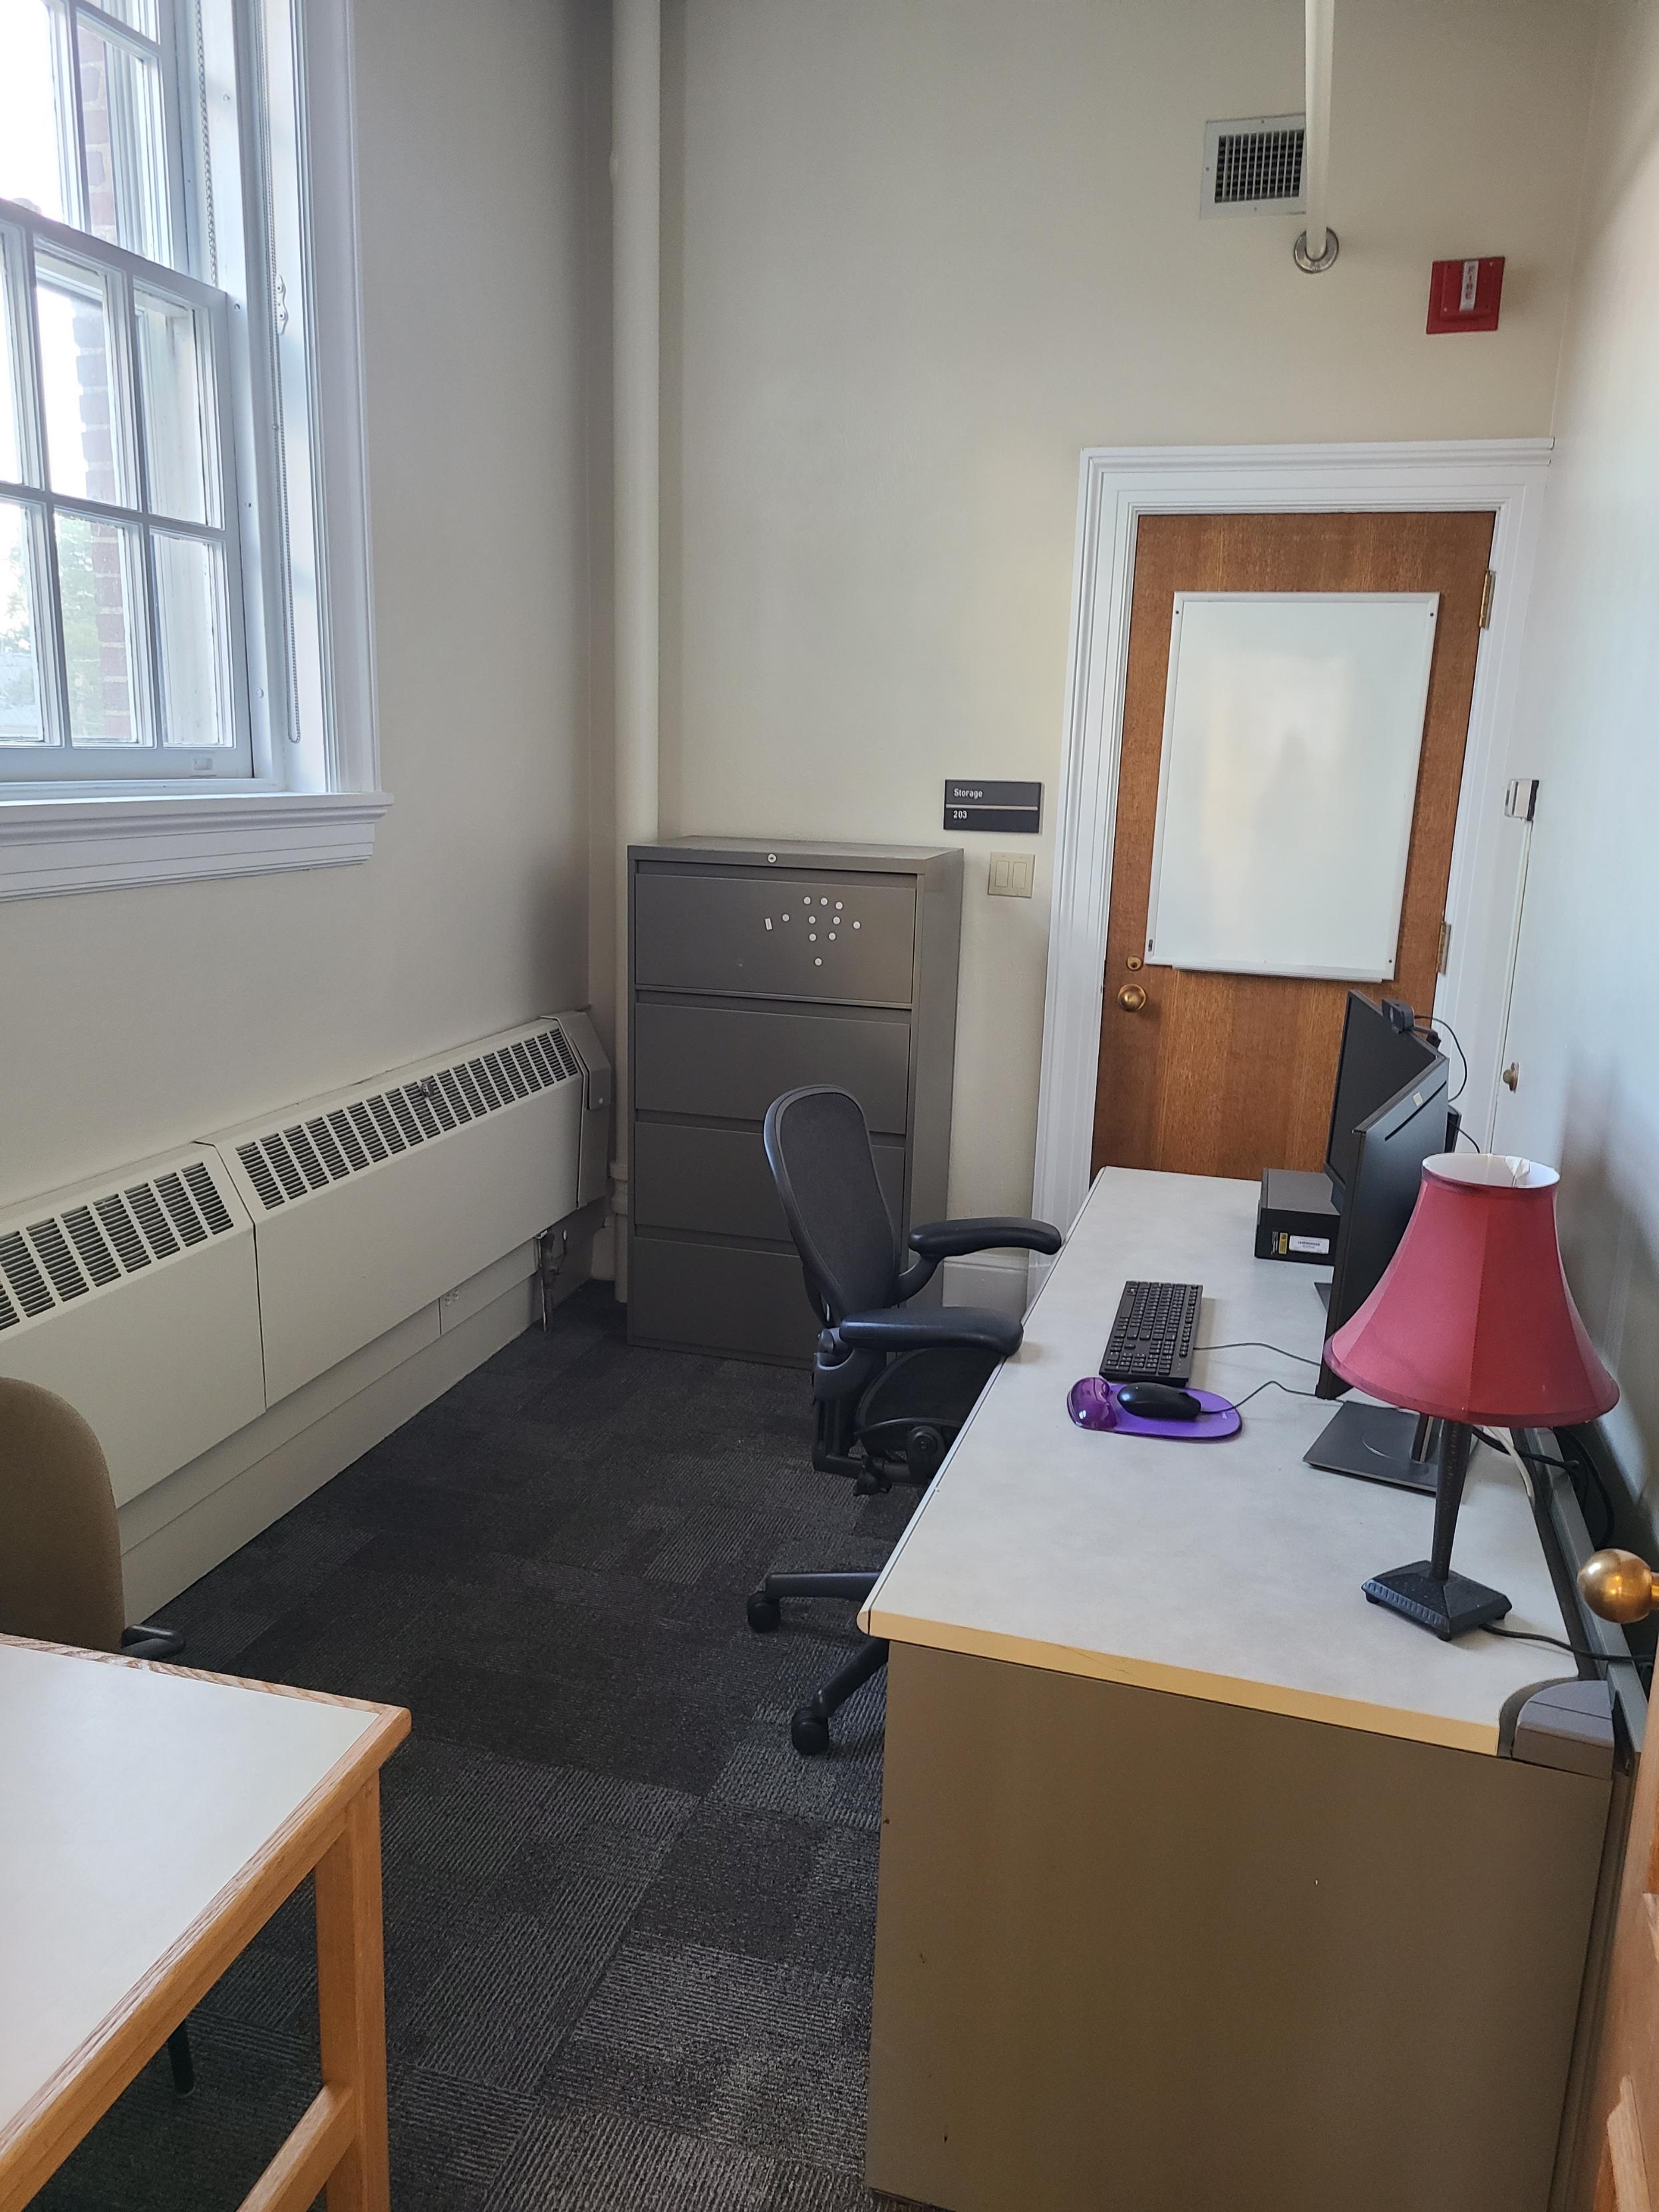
{"points": [[1619, 1586], [1512, 1075], [1131, 998]]}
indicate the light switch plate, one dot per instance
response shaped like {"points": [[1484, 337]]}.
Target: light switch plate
{"points": [[1013, 875]]}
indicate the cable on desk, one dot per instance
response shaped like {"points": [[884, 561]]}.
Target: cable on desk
{"points": [[1255, 1344], [1559, 1643], [1589, 1472], [1239, 1404], [1539, 1459]]}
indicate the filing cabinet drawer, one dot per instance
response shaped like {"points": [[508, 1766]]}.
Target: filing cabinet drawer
{"points": [[719, 1297], [774, 934], [718, 1180], [729, 1064]]}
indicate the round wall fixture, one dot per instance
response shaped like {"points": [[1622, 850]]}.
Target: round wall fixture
{"points": [[1304, 260]]}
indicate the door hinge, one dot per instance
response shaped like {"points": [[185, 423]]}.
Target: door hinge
{"points": [[1521, 799], [1487, 591], [1445, 948]]}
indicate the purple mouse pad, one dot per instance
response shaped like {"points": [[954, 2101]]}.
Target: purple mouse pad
{"points": [[1093, 1404]]}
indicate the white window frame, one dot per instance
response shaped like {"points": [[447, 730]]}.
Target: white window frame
{"points": [[313, 799]]}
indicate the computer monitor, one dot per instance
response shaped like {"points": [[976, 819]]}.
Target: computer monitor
{"points": [[1381, 1057], [1385, 1175]]}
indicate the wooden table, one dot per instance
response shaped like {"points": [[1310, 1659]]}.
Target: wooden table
{"points": [[151, 1820]]}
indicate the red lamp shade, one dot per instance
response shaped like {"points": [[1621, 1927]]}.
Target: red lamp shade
{"points": [[1472, 1320]]}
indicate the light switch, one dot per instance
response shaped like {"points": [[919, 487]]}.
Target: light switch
{"points": [[1013, 875]]}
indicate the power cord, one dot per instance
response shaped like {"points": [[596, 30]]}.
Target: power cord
{"points": [[1255, 1344], [1431, 1030], [1584, 1479], [1239, 1403], [1558, 1644]]}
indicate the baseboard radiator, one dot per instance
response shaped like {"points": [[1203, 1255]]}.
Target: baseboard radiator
{"points": [[175, 1301]]}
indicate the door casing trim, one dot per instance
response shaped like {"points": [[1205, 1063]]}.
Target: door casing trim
{"points": [[1117, 486]]}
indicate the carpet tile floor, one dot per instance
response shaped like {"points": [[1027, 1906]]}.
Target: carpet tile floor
{"points": [[628, 1932]]}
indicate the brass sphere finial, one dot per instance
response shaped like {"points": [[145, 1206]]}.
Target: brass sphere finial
{"points": [[1619, 1586]]}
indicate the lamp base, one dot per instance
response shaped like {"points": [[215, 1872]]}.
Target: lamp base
{"points": [[1446, 1608]]}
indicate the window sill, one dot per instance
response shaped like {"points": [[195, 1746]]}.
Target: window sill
{"points": [[66, 842]]}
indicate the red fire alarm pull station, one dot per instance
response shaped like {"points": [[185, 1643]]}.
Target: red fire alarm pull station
{"points": [[1464, 295]]}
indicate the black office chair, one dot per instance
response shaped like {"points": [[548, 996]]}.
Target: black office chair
{"points": [[891, 1383]]}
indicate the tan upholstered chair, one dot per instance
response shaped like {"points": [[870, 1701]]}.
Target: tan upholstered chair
{"points": [[60, 1554]]}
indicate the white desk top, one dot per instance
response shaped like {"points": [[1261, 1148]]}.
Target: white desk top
{"points": [[1224, 1570], [131, 1795]]}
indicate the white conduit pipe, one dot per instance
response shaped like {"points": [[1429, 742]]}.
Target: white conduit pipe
{"points": [[1317, 248], [636, 280]]}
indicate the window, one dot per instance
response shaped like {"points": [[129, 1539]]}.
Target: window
{"points": [[182, 613]]}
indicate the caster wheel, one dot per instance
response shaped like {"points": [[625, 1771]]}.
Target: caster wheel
{"points": [[763, 1613], [809, 1734], [924, 1452]]}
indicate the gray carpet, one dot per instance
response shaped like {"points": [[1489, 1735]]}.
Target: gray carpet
{"points": [[629, 1931]]}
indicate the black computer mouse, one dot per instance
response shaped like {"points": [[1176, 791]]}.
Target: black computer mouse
{"points": [[1158, 1401]]}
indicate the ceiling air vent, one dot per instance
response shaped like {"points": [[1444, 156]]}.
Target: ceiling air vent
{"points": [[1253, 166]]}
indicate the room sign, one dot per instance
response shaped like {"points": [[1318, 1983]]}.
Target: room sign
{"points": [[975, 804]]}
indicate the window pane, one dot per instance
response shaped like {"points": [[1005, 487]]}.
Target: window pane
{"points": [[11, 450], [37, 110], [190, 611], [23, 706], [77, 369], [99, 579], [126, 167], [140, 14], [171, 381]]}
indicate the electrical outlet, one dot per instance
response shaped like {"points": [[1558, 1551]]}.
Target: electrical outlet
{"points": [[1013, 875]]}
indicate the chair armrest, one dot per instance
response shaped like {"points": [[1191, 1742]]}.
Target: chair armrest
{"points": [[905, 1329], [948, 1240]]}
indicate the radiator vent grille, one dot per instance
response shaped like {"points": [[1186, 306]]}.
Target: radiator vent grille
{"points": [[1253, 166], [28, 1283], [289, 1163], [51, 1262]]}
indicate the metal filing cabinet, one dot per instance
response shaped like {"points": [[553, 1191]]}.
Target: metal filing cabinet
{"points": [[754, 968]]}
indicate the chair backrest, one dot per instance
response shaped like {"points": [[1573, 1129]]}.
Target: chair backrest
{"points": [[818, 1149], [60, 1545]]}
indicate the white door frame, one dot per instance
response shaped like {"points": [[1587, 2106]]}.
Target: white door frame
{"points": [[1118, 486]]}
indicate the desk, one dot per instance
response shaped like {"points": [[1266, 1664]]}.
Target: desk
{"points": [[1203, 1882], [153, 1819]]}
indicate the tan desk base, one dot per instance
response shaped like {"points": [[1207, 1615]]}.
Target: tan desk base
{"points": [[1140, 1952], [341, 2142]]}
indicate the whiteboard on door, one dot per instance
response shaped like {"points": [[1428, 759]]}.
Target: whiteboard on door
{"points": [[1292, 728]]}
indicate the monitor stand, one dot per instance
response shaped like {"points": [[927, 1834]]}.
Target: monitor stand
{"points": [[1379, 1443]]}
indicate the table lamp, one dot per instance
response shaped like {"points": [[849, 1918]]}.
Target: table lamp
{"points": [[1472, 1324]]}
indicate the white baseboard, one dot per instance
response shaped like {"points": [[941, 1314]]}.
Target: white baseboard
{"points": [[176, 1532], [997, 1279]]}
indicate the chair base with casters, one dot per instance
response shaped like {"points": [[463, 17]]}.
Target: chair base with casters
{"points": [[809, 1724], [892, 1383]]}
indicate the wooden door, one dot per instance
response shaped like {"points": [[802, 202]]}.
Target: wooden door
{"points": [[1226, 1075]]}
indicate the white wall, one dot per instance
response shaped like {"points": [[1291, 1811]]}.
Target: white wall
{"points": [[928, 250], [129, 1019], [1585, 1022]]}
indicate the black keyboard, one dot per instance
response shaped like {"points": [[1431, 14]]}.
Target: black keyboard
{"points": [[1151, 1338]]}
